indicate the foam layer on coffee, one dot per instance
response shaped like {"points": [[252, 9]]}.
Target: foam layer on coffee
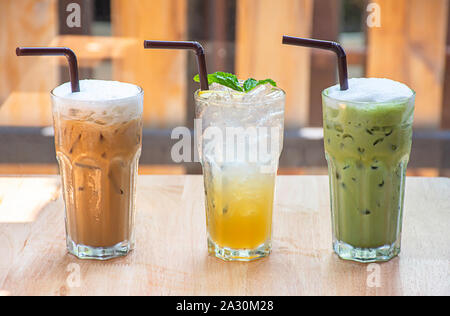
{"points": [[373, 90], [99, 99]]}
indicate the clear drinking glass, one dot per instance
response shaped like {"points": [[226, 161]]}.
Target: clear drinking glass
{"points": [[367, 147], [98, 144], [240, 145]]}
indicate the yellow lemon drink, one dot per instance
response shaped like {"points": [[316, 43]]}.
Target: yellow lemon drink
{"points": [[239, 145], [239, 206]]}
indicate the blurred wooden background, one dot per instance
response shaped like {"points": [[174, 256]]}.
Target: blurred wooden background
{"points": [[242, 36]]}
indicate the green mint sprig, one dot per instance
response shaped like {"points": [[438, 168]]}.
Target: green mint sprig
{"points": [[232, 82]]}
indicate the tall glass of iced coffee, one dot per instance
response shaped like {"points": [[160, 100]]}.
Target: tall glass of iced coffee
{"points": [[98, 133]]}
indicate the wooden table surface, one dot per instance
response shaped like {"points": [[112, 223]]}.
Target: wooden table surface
{"points": [[171, 256]]}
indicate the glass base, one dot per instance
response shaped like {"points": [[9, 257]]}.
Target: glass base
{"points": [[229, 254], [366, 255], [98, 253]]}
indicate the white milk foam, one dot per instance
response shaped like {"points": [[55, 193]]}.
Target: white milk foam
{"points": [[110, 100], [374, 90]]}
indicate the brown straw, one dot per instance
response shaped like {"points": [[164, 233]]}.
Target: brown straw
{"points": [[333, 46], [55, 51], [195, 46]]}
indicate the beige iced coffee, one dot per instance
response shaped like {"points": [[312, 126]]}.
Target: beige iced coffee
{"points": [[98, 136]]}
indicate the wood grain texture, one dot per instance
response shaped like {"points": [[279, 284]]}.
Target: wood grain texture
{"points": [[410, 46], [27, 23], [260, 26], [161, 73], [171, 256]]}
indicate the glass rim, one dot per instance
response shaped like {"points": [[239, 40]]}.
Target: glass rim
{"points": [[398, 101], [122, 99], [197, 97]]}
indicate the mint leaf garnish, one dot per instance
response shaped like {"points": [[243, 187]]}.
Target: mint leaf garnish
{"points": [[232, 82], [250, 84], [223, 78], [273, 83]]}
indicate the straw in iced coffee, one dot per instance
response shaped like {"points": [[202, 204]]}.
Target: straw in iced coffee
{"points": [[55, 51]]}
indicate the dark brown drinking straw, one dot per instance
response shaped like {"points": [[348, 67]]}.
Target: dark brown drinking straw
{"points": [[55, 51], [195, 46], [332, 46]]}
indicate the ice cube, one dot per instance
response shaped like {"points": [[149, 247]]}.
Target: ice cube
{"points": [[218, 87], [219, 93], [258, 93], [275, 93]]}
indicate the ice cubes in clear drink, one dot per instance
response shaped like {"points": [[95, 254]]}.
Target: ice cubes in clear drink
{"points": [[261, 108], [258, 93]]}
